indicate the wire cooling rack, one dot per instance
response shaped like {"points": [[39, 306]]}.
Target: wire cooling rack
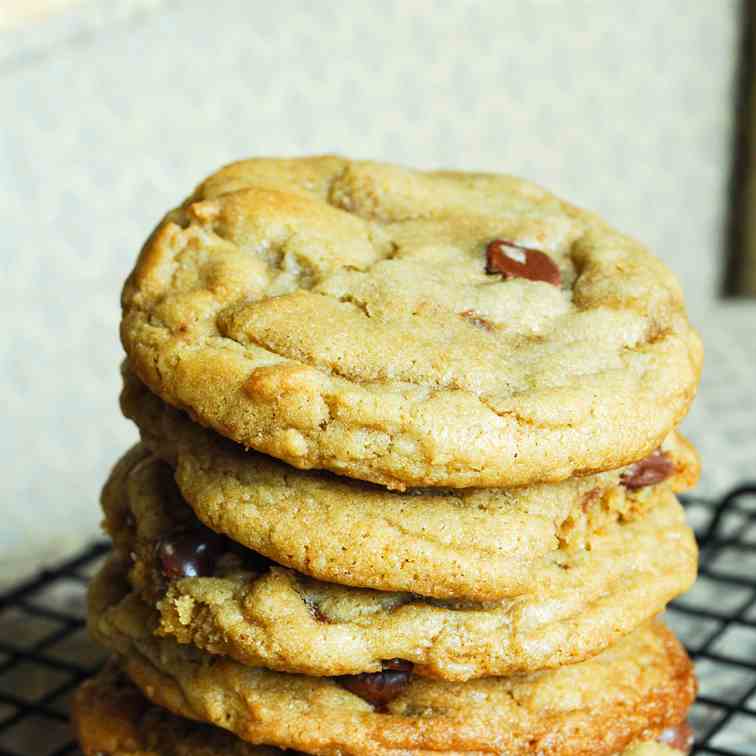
{"points": [[717, 622], [45, 653]]}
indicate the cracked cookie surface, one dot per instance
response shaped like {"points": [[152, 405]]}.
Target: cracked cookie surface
{"points": [[482, 544], [635, 690], [339, 315], [112, 717], [216, 595]]}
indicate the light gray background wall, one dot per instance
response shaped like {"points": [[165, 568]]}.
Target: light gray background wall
{"points": [[111, 112]]}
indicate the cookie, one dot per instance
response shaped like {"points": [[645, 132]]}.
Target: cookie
{"points": [[228, 600], [409, 328], [483, 544], [112, 717], [630, 692]]}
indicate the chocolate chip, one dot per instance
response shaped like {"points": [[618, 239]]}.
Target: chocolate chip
{"points": [[190, 553], [680, 737], [655, 468], [380, 688], [514, 261]]}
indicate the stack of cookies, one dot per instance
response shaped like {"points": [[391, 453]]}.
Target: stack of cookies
{"points": [[407, 476]]}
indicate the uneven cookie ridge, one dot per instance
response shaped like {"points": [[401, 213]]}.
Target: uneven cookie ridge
{"points": [[633, 691], [460, 543], [576, 604], [111, 716], [339, 315]]}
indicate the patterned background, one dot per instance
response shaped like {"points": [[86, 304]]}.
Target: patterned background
{"points": [[113, 110]]}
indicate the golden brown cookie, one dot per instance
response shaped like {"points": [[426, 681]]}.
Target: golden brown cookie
{"points": [[409, 328], [112, 717], [631, 692], [228, 600], [461, 543]]}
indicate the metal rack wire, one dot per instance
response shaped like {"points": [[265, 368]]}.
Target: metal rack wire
{"points": [[717, 622], [44, 652]]}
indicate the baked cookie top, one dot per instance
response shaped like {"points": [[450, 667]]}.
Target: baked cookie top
{"points": [[481, 544], [112, 717], [228, 600], [409, 328], [632, 691]]}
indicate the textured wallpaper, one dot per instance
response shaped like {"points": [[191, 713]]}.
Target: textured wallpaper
{"points": [[113, 111]]}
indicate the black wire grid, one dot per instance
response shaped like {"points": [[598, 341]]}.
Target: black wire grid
{"points": [[45, 654]]}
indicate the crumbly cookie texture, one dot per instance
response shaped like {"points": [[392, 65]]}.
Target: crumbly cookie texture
{"points": [[482, 544], [577, 601], [339, 315], [112, 717], [631, 692]]}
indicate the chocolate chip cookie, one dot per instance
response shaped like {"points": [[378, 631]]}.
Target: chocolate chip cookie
{"points": [[482, 544], [112, 717], [409, 328], [230, 600], [635, 690]]}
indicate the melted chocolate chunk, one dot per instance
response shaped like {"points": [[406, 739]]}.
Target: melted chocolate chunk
{"points": [[380, 688], [513, 261], [190, 553], [680, 737], [655, 468]]}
